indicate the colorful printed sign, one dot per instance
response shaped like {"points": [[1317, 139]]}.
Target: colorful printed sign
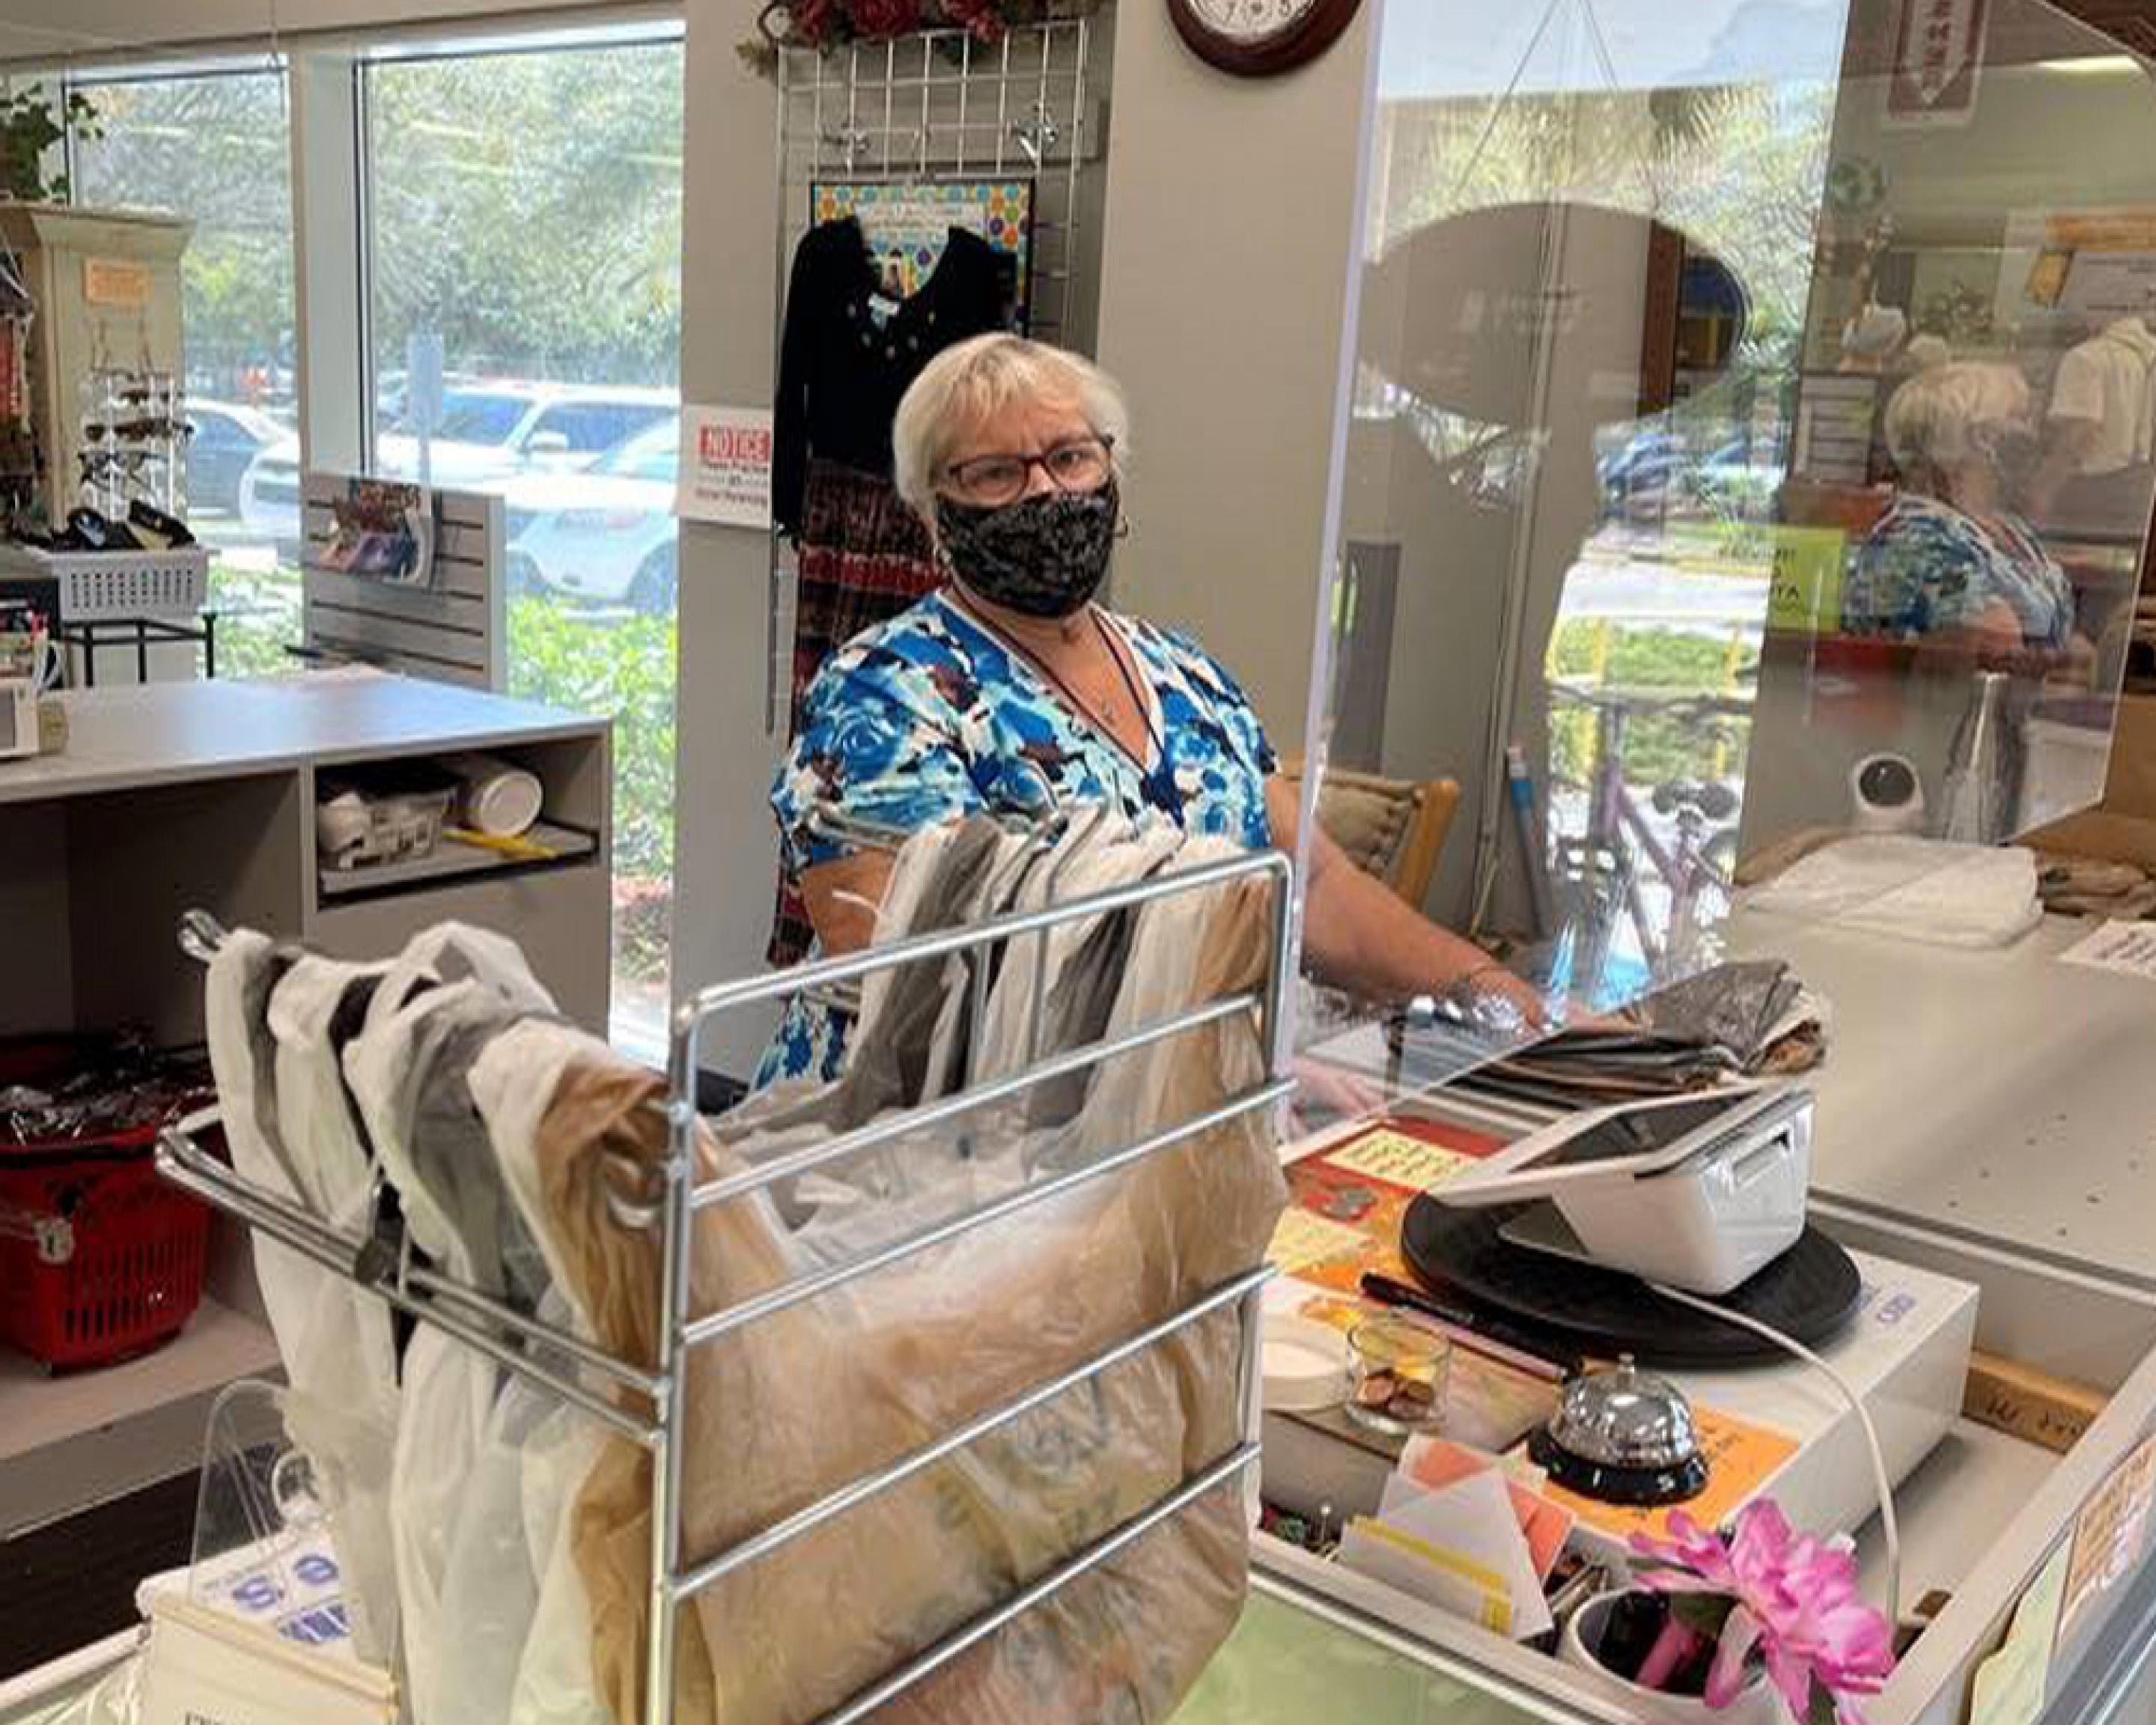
{"points": [[907, 224]]}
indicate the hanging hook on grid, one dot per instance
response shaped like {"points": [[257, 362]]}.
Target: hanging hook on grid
{"points": [[852, 142], [1037, 135]]}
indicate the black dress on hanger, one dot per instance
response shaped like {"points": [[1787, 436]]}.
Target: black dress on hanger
{"points": [[850, 351], [849, 354]]}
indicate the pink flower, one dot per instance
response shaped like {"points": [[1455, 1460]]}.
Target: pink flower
{"points": [[1794, 1604]]}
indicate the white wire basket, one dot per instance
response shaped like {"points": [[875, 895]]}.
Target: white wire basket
{"points": [[101, 584]]}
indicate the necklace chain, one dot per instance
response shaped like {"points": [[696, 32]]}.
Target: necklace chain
{"points": [[1102, 717]]}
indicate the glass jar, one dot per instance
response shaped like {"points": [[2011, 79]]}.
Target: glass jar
{"points": [[1397, 1374]]}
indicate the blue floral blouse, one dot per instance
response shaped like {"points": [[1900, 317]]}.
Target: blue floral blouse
{"points": [[930, 717], [1927, 567]]}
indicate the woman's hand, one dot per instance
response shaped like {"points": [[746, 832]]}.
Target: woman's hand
{"points": [[1325, 1093], [1493, 982], [1358, 935]]}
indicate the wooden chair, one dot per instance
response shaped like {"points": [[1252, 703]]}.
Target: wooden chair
{"points": [[1393, 828]]}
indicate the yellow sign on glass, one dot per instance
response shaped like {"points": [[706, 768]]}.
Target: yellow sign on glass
{"points": [[1804, 589]]}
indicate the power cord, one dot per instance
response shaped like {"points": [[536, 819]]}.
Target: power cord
{"points": [[1888, 1527]]}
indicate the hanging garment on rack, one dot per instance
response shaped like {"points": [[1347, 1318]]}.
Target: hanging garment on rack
{"points": [[335, 1338], [864, 558], [451, 991], [914, 1349], [849, 351], [906, 223]]}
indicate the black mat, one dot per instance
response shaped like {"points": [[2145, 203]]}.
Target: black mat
{"points": [[72, 1581], [1807, 1293]]}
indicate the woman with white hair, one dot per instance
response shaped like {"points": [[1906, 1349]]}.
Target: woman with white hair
{"points": [[1951, 558], [1010, 690]]}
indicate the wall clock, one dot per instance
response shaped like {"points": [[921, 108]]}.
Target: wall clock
{"points": [[1260, 39]]}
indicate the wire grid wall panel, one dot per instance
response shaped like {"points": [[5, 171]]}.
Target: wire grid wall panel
{"points": [[939, 106]]}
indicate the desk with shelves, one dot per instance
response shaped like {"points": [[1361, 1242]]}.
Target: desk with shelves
{"points": [[175, 795]]}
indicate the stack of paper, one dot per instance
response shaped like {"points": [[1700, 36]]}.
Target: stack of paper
{"points": [[1464, 1533]]}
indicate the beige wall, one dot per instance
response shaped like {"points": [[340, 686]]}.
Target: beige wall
{"points": [[725, 855], [1231, 210]]}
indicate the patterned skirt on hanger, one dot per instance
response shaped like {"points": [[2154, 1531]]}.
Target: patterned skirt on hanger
{"points": [[863, 558]]}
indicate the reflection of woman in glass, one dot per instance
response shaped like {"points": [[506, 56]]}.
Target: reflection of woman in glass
{"points": [[1950, 558]]}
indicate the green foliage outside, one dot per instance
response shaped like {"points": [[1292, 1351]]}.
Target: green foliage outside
{"points": [[622, 665], [258, 617], [1657, 749], [217, 151], [527, 209]]}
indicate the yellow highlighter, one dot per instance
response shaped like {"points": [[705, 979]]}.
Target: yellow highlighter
{"points": [[522, 849]]}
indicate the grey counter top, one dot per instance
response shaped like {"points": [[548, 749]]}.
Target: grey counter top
{"points": [[135, 736]]}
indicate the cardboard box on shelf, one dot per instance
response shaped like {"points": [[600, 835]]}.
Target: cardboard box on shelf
{"points": [[2123, 827]]}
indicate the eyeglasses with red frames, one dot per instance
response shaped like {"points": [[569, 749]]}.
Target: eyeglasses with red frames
{"points": [[1082, 464]]}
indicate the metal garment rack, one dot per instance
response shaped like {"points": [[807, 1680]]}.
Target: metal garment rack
{"points": [[645, 1404]]}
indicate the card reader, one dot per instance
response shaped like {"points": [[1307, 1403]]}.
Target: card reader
{"points": [[1699, 1192]]}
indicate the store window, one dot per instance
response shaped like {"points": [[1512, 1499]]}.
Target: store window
{"points": [[524, 244], [215, 146]]}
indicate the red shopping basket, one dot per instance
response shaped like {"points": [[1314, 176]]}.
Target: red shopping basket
{"points": [[99, 1258]]}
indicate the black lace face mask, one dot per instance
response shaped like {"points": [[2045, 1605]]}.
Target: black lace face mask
{"points": [[1044, 556]]}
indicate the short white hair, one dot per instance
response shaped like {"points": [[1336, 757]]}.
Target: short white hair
{"points": [[973, 382], [1946, 416]]}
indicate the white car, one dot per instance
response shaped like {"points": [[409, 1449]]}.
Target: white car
{"points": [[607, 534], [488, 434]]}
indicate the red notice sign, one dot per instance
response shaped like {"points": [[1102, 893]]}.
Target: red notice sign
{"points": [[725, 467]]}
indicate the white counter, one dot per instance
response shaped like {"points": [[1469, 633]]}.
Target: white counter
{"points": [[2001, 1094], [134, 736]]}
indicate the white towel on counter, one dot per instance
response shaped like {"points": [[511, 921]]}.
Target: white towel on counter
{"points": [[1923, 890]]}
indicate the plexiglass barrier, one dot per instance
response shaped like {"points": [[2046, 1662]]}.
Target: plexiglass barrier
{"points": [[1750, 447]]}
